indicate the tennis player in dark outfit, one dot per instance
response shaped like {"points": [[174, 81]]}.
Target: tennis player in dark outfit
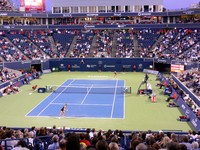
{"points": [[62, 111]]}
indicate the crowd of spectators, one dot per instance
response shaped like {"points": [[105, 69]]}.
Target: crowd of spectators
{"points": [[185, 78], [9, 52], [189, 101], [114, 20], [178, 44], [6, 75], [10, 89], [63, 40], [26, 46], [194, 107], [170, 84], [90, 139], [5, 5], [83, 44], [175, 42], [148, 37], [15, 80], [125, 44], [191, 80], [40, 38], [193, 55], [104, 43]]}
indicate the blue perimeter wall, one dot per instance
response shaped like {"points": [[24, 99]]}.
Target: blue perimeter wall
{"points": [[101, 64], [93, 64], [85, 64], [25, 64], [186, 110]]}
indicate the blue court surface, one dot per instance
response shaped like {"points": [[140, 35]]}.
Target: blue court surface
{"points": [[84, 99]]}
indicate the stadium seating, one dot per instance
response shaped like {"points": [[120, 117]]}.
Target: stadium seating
{"points": [[5, 5], [191, 55], [25, 46], [178, 44], [83, 44], [41, 138], [40, 38], [9, 52], [6, 75], [125, 44], [191, 80], [147, 37], [104, 43], [63, 40]]}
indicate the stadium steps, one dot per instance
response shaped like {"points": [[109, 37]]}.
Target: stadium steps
{"points": [[38, 48], [190, 48], [71, 48], [184, 37], [114, 45], [2, 59], [181, 37], [136, 46], [176, 39], [27, 58], [157, 42], [93, 46], [52, 43], [11, 4], [18, 73]]}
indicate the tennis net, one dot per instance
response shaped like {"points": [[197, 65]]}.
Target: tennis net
{"points": [[91, 89]]}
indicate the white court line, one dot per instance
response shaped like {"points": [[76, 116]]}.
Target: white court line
{"points": [[80, 84], [73, 104], [114, 98], [55, 98], [89, 85], [86, 94], [43, 100], [75, 117], [98, 76]]}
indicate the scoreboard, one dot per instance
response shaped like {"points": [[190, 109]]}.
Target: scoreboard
{"points": [[33, 5], [177, 68]]}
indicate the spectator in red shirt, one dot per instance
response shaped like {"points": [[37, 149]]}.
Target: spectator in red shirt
{"points": [[68, 67], [84, 140], [134, 68]]}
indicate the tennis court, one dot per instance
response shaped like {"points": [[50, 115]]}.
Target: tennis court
{"points": [[134, 112], [85, 98]]}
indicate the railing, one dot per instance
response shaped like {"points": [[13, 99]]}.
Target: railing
{"points": [[99, 26], [6, 146], [14, 81], [186, 110], [191, 94]]}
